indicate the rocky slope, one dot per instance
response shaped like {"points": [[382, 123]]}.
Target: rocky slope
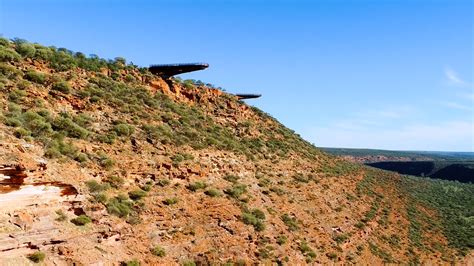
{"points": [[103, 163]]}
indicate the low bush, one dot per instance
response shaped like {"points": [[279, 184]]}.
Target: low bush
{"points": [[231, 178], [8, 54], [96, 187], [255, 218], [290, 222], [21, 133], [163, 182], [71, 129], [236, 190], [26, 49], [119, 206], [124, 129], [180, 157], [81, 220], [170, 201], [197, 186], [36, 77], [61, 86], [61, 216], [131, 263], [115, 181], [81, 157], [17, 95], [212, 192], [137, 194], [307, 251], [37, 256], [158, 251], [105, 161], [281, 240]]}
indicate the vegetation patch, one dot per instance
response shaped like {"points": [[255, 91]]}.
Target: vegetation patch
{"points": [[158, 251], [197, 186], [212, 192], [137, 194], [290, 222], [384, 255], [170, 201], [37, 256], [255, 218], [307, 251], [81, 220]]}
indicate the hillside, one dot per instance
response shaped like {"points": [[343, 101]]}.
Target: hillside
{"points": [[103, 162]]}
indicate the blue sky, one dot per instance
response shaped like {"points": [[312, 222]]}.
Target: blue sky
{"points": [[367, 74]]}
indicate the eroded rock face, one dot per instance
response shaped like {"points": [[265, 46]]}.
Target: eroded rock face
{"points": [[29, 208]]}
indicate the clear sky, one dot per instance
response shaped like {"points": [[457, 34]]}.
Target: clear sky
{"points": [[368, 74]]}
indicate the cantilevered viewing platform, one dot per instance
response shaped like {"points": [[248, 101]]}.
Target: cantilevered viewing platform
{"points": [[169, 70], [243, 96]]}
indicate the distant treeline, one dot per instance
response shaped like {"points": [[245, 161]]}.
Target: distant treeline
{"points": [[434, 155], [461, 171]]}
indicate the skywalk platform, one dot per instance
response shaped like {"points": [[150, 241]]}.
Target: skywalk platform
{"points": [[169, 70]]}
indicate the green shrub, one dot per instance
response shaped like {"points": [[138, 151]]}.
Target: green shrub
{"points": [[158, 251], [137, 194], [44, 53], [8, 71], [4, 42], [37, 256], [340, 238], [14, 108], [196, 186], [232, 178], [8, 54], [61, 216], [81, 157], [106, 162], [26, 49], [212, 192], [131, 263], [21, 132], [163, 182], [71, 129], [124, 129], [119, 206], [12, 122], [236, 190], [290, 222], [115, 181], [36, 77], [82, 120], [61, 86], [81, 220], [281, 240], [170, 201], [96, 187], [180, 157], [188, 263], [301, 178], [100, 197], [307, 251], [57, 147], [255, 218], [108, 138], [258, 213], [16, 95], [36, 124]]}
